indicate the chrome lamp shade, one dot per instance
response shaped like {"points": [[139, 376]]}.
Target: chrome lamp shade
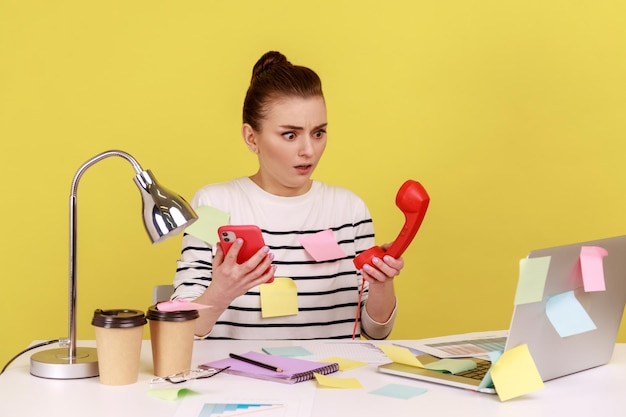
{"points": [[165, 214]]}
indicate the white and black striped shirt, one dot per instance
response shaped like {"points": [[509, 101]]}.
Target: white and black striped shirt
{"points": [[327, 290]]}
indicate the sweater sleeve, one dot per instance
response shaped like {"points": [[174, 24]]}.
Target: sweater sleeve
{"points": [[193, 269]]}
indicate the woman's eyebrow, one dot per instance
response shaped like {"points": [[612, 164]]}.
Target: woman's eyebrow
{"points": [[294, 127]]}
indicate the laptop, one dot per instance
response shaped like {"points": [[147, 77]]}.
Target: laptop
{"points": [[554, 356]]}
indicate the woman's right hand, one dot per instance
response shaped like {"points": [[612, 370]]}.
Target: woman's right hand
{"points": [[231, 279]]}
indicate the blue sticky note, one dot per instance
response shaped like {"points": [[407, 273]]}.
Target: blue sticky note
{"points": [[403, 392], [567, 315], [487, 381]]}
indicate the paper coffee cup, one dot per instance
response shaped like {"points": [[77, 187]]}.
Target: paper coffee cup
{"points": [[118, 342], [171, 337]]}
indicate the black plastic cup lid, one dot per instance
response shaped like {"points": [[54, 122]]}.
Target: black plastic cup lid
{"points": [[118, 318], [157, 315]]}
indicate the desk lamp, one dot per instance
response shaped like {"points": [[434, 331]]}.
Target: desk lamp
{"points": [[165, 214]]}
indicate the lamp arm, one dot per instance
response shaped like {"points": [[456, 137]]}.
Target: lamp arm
{"points": [[73, 235]]}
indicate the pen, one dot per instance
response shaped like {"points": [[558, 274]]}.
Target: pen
{"points": [[253, 362]]}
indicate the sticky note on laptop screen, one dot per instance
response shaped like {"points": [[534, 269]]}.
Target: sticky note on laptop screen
{"points": [[532, 279]]}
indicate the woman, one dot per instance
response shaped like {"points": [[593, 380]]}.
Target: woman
{"points": [[284, 124]]}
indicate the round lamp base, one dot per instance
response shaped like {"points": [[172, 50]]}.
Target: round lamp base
{"points": [[55, 364]]}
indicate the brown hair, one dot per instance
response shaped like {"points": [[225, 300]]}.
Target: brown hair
{"points": [[273, 76]]}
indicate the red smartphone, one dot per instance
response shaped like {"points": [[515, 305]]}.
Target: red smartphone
{"points": [[252, 240]]}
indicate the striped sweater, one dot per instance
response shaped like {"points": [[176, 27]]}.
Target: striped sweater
{"points": [[328, 291]]}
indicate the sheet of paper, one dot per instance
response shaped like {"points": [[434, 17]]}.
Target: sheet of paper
{"points": [[403, 392], [209, 219], [225, 393], [515, 373], [532, 279], [280, 298], [170, 393], [567, 315], [345, 364], [592, 267], [334, 382], [358, 350], [322, 246]]}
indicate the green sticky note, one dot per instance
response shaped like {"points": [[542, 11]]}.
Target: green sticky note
{"points": [[454, 366], [532, 279], [209, 219]]}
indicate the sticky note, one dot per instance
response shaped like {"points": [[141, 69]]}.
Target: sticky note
{"points": [[280, 298], [567, 315], [289, 351], [180, 305], [322, 246], [403, 392], [209, 219], [344, 363], [515, 373], [592, 267], [532, 279], [454, 366], [487, 381], [401, 355], [333, 382]]}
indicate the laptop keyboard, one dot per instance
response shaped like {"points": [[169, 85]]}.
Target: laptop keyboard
{"points": [[478, 373]]}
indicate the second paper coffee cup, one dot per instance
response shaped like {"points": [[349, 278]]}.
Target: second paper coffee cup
{"points": [[171, 336]]}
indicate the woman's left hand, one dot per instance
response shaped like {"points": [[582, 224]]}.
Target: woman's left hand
{"points": [[386, 268]]}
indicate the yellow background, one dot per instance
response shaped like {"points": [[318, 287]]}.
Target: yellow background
{"points": [[510, 113]]}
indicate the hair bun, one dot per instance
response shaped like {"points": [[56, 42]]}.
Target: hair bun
{"points": [[268, 60]]}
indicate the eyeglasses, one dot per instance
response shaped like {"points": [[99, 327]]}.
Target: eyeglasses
{"points": [[188, 374]]}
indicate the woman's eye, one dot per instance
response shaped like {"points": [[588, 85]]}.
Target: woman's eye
{"points": [[319, 134], [289, 135]]}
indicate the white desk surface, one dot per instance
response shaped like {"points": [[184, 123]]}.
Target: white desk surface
{"points": [[598, 391]]}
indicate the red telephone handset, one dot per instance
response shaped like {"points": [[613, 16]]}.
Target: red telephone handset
{"points": [[413, 200]]}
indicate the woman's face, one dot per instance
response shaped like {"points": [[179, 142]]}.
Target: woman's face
{"points": [[289, 144]]}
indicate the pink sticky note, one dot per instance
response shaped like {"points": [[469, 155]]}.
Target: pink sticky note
{"points": [[592, 267], [322, 246], [180, 305]]}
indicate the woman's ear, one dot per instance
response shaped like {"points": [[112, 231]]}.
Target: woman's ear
{"points": [[249, 137]]}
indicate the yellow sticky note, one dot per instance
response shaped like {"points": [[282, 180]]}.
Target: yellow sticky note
{"points": [[515, 373], [344, 364], [332, 382], [401, 355], [279, 298]]}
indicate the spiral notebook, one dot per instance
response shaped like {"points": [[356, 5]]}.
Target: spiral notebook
{"points": [[293, 369]]}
